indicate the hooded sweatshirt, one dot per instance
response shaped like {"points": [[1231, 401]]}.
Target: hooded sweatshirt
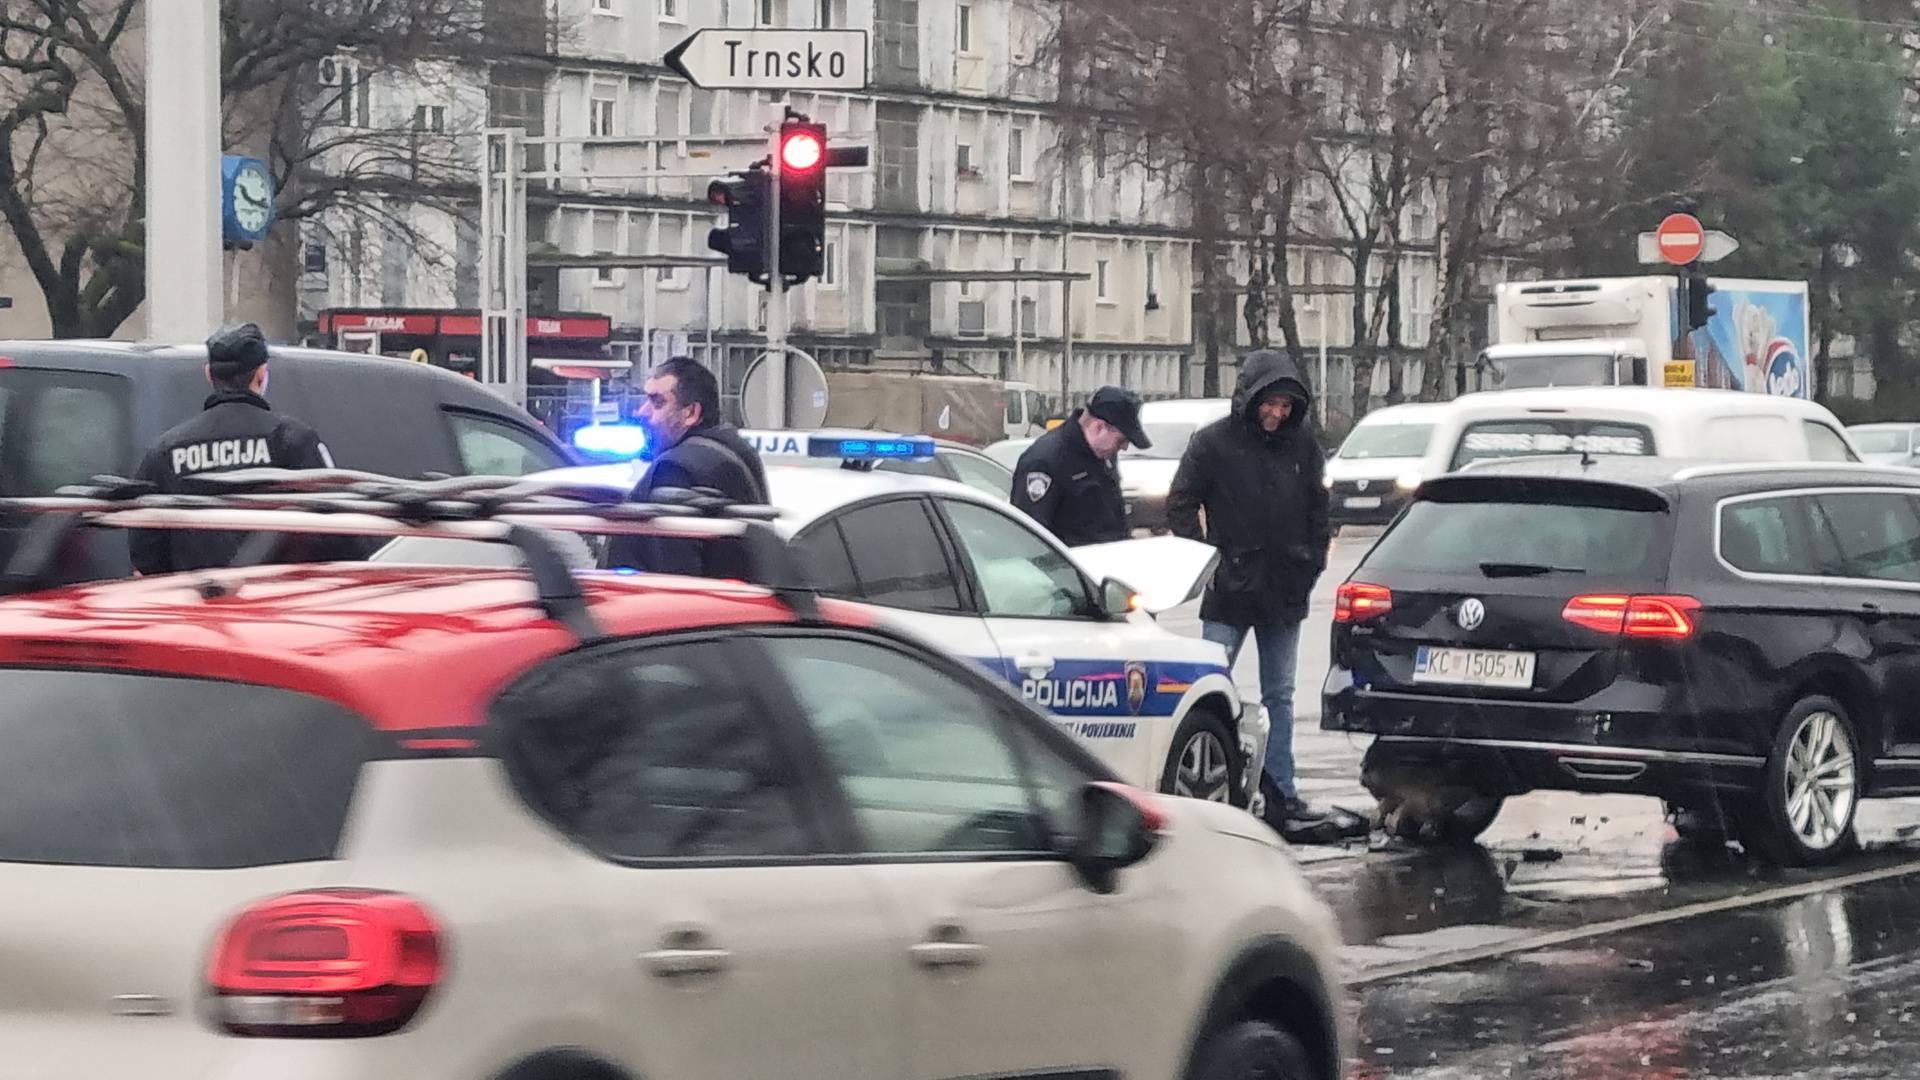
{"points": [[1263, 498]]}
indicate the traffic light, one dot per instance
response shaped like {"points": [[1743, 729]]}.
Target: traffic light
{"points": [[744, 240], [803, 199], [1699, 311]]}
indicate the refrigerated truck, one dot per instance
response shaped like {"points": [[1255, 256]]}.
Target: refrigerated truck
{"points": [[1620, 331]]}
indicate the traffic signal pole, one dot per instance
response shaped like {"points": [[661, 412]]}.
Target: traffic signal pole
{"points": [[776, 383]]}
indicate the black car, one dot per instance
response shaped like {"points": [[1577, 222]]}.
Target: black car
{"points": [[72, 410], [1742, 641]]}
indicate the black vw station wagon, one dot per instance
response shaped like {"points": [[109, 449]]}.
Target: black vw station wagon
{"points": [[1741, 641]]}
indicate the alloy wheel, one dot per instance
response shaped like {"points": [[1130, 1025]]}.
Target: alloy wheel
{"points": [[1822, 781]]}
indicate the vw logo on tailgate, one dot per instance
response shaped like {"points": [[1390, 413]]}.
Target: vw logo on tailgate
{"points": [[1470, 614]]}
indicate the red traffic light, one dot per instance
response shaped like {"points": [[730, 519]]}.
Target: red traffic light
{"points": [[801, 151]]}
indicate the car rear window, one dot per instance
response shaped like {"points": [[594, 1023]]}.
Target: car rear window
{"points": [[1568, 536], [1550, 435], [132, 770]]}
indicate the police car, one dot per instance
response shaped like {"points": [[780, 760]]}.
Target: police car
{"points": [[949, 460], [1073, 632]]}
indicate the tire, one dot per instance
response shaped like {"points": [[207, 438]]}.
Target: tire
{"points": [[1810, 790], [1468, 821], [1252, 1050], [1205, 761]]}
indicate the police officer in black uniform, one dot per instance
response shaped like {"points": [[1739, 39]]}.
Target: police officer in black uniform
{"points": [[1067, 479], [237, 430]]}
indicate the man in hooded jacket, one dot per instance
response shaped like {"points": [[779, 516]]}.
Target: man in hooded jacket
{"points": [[1250, 484]]}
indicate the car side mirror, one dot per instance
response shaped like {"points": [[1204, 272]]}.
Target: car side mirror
{"points": [[1116, 600], [1119, 827]]}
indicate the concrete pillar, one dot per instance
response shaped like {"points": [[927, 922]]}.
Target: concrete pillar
{"points": [[184, 300]]}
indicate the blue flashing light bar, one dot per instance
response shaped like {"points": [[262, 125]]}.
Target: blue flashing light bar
{"points": [[869, 448], [619, 442]]}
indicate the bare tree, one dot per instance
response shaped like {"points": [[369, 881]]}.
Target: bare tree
{"points": [[73, 134], [1519, 100], [1218, 93]]}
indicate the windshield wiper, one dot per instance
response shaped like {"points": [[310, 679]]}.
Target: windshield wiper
{"points": [[1526, 569]]}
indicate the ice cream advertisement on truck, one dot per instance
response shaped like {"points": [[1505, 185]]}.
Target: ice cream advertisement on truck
{"points": [[1756, 339]]}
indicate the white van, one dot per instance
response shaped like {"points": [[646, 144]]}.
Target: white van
{"points": [[1709, 425], [1381, 461]]}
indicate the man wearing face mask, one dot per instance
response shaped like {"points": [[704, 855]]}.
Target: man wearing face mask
{"points": [[1255, 475], [1067, 480], [690, 448]]}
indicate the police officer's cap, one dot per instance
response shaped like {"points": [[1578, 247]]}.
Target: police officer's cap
{"points": [[1121, 408], [235, 349]]}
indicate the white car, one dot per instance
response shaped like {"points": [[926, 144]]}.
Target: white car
{"points": [[1381, 462], [1071, 631], [406, 821], [1147, 475]]}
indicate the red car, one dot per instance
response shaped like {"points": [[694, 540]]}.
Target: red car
{"points": [[351, 820]]}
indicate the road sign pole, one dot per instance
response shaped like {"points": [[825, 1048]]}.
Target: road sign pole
{"points": [[776, 384]]}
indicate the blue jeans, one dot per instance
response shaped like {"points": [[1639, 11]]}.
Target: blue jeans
{"points": [[1278, 643]]}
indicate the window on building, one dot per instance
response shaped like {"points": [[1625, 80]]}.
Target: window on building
{"points": [[897, 41], [1100, 153], [700, 109], [770, 12], [670, 10], [1100, 281], [1153, 278], [606, 240], [606, 7], [1017, 151], [964, 34], [603, 109], [830, 265], [963, 159], [431, 118], [666, 112], [672, 241], [833, 13], [351, 102], [899, 156]]}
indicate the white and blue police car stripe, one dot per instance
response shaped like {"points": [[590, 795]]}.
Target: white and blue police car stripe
{"points": [[1104, 699]]}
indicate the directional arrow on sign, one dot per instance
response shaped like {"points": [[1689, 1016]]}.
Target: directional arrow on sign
{"points": [[722, 59], [1718, 246]]}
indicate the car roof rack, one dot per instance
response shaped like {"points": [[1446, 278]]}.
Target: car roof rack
{"points": [[274, 503]]}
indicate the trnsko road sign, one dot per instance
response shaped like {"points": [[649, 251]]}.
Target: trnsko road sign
{"points": [[722, 59]]}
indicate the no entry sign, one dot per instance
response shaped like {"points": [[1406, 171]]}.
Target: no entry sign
{"points": [[1680, 238]]}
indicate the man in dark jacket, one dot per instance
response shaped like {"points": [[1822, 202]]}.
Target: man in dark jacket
{"points": [[1067, 480], [236, 430], [691, 448], [1256, 476]]}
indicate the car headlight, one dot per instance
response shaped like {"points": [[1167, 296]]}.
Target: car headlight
{"points": [[1408, 481], [1327, 482]]}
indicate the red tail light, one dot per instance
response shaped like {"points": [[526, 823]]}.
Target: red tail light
{"points": [[1634, 616], [1356, 601], [326, 963]]}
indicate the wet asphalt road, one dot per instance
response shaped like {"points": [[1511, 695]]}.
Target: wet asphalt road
{"points": [[1582, 941]]}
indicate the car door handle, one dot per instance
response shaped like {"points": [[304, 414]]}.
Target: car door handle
{"points": [[948, 954], [686, 952], [1033, 662]]}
